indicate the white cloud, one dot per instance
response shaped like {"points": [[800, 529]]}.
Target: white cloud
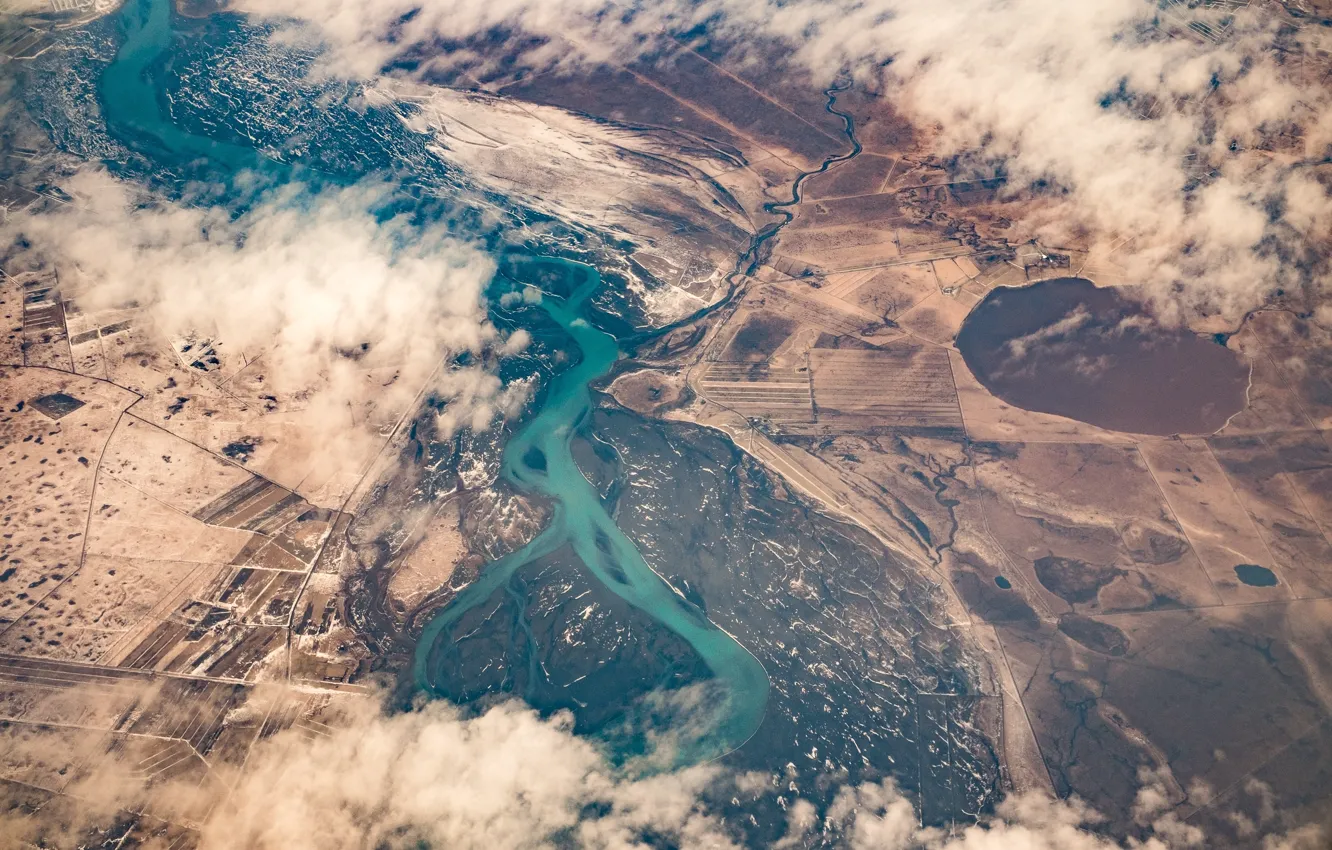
{"points": [[1025, 81], [300, 279], [1022, 81], [509, 779], [505, 780], [1019, 346]]}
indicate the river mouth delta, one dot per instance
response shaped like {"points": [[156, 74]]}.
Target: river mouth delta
{"points": [[709, 440]]}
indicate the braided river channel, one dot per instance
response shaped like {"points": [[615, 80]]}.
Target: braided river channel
{"points": [[537, 458], [681, 602]]}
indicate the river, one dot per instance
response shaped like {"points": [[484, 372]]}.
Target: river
{"points": [[132, 103], [538, 457], [623, 609]]}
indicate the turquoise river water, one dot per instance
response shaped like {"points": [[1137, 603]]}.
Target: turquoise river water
{"points": [[537, 459]]}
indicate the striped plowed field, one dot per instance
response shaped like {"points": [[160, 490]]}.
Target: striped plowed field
{"points": [[757, 391], [255, 505], [826, 314], [888, 389]]}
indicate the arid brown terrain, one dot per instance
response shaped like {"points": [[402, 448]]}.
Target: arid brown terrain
{"points": [[182, 562]]}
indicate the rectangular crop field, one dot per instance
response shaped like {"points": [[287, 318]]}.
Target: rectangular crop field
{"points": [[904, 387]]}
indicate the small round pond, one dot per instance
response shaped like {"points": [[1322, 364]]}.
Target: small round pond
{"points": [[1255, 576]]}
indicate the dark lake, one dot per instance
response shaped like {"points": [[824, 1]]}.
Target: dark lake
{"points": [[1069, 348], [1255, 576]]}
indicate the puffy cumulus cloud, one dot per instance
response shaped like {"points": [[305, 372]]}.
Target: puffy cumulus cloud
{"points": [[509, 779], [322, 286], [363, 36], [475, 399], [1160, 145], [1151, 138], [876, 816], [431, 777]]}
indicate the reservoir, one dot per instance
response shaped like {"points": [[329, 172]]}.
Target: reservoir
{"points": [[1069, 348]]}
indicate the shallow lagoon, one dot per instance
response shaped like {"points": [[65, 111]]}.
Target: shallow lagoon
{"points": [[1255, 576]]}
